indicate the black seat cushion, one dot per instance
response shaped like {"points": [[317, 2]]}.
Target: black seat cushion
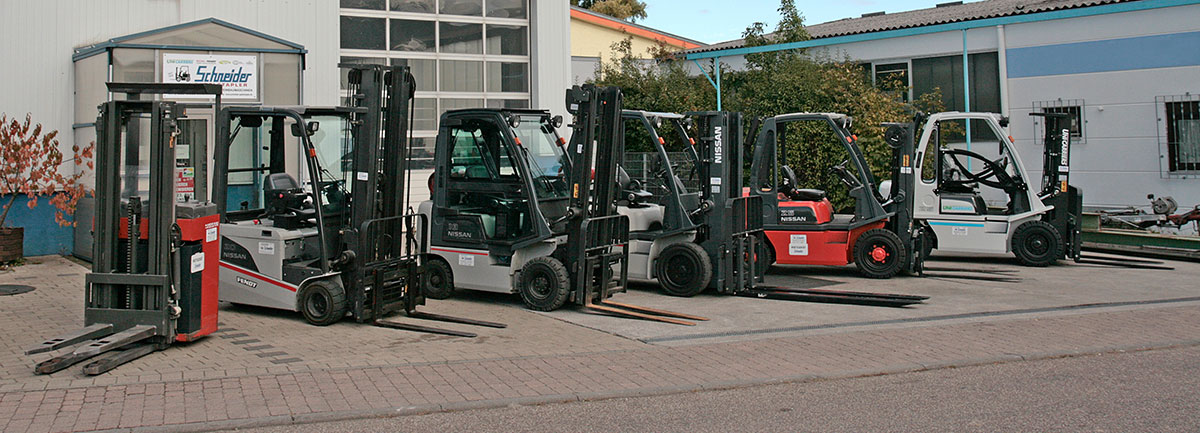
{"points": [[806, 194]]}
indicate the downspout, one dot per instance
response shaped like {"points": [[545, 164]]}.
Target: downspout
{"points": [[1002, 55], [716, 84], [966, 91]]}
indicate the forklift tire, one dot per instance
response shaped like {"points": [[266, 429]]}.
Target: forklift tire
{"points": [[544, 284], [764, 257], [322, 303], [1037, 243], [439, 279], [683, 269], [879, 254]]}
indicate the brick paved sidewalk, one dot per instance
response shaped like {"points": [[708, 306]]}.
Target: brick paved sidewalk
{"points": [[375, 391]]}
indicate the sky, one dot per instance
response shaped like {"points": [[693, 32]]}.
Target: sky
{"points": [[713, 21]]}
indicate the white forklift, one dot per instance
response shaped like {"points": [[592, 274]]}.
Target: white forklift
{"points": [[972, 194]]}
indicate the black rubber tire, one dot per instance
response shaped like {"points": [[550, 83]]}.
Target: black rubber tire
{"points": [[764, 258], [683, 269], [439, 279], [544, 285], [879, 254], [1037, 243], [322, 302]]}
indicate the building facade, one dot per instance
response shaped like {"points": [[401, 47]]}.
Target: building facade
{"points": [[464, 53], [593, 35], [1127, 70]]}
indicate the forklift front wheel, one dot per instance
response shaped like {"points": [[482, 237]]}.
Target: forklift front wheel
{"points": [[1037, 243], [544, 284], [439, 279], [878, 254], [323, 302], [683, 269]]}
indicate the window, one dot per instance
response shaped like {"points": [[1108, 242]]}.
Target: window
{"points": [[507, 103], [893, 78], [461, 38], [363, 33], [507, 40], [463, 7], [412, 35], [418, 6], [506, 8], [507, 77], [1183, 135], [461, 76], [946, 73], [423, 70], [1073, 107], [363, 4], [424, 114]]}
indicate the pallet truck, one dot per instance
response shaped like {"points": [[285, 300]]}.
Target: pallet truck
{"points": [[154, 275], [800, 226], [517, 209], [342, 241], [951, 201]]}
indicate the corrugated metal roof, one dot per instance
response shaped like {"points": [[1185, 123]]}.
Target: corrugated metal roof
{"points": [[944, 14]]}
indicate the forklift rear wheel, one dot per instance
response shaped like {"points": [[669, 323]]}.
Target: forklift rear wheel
{"points": [[439, 279], [1037, 243], [683, 269], [323, 303], [878, 254], [544, 284]]}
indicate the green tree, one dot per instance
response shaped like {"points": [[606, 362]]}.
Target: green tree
{"points": [[773, 84], [631, 10]]}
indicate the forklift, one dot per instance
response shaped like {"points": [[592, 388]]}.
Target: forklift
{"points": [[154, 276], [973, 199], [801, 226], [342, 241], [515, 208], [725, 224]]}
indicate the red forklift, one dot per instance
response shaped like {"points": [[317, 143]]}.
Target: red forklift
{"points": [[154, 275], [801, 226]]}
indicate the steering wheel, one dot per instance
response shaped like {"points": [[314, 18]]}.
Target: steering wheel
{"points": [[992, 174], [844, 175]]}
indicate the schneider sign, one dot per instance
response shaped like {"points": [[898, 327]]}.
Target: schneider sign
{"points": [[237, 75]]}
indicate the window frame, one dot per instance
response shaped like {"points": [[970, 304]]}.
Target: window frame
{"points": [[1057, 106], [1170, 167]]}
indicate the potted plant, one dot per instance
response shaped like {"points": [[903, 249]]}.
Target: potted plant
{"points": [[31, 164]]}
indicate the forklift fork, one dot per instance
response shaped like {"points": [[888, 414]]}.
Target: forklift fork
{"points": [[644, 313], [99, 345]]}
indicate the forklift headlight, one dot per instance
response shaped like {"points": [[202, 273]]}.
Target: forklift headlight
{"points": [[514, 121]]}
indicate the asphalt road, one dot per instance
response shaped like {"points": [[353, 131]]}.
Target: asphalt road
{"points": [[1121, 392]]}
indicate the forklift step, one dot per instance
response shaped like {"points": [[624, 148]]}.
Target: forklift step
{"points": [[111, 360], [94, 331], [96, 347], [452, 319]]}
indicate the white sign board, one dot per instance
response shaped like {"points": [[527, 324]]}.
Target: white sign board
{"points": [[237, 75]]}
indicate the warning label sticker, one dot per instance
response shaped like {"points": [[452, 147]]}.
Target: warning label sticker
{"points": [[466, 260], [798, 245], [960, 231]]}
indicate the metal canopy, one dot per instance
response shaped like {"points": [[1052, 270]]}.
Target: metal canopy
{"points": [[208, 34]]}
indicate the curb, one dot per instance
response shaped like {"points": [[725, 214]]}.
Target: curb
{"points": [[283, 420]]}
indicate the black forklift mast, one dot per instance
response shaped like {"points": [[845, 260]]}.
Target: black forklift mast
{"points": [[732, 223], [597, 237], [901, 138], [132, 296], [1057, 191]]}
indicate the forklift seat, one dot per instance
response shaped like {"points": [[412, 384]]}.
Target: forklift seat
{"points": [[807, 195], [286, 201]]}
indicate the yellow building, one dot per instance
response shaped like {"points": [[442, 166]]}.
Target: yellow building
{"points": [[593, 35]]}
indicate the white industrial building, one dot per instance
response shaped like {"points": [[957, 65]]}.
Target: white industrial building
{"points": [[464, 53], [1129, 70]]}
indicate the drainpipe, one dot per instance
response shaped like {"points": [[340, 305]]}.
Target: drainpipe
{"points": [[1002, 55], [966, 90]]}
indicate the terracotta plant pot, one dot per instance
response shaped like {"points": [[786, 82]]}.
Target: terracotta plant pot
{"points": [[11, 243]]}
